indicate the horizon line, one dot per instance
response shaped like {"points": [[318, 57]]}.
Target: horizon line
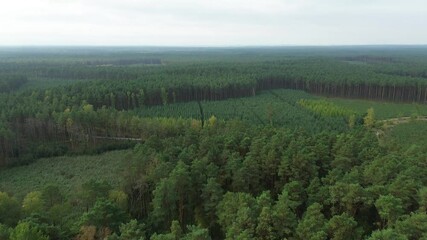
{"points": [[211, 46]]}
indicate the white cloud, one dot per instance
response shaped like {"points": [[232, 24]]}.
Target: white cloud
{"points": [[208, 22]]}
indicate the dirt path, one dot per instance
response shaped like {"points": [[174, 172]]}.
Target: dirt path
{"points": [[400, 120], [387, 124], [118, 138]]}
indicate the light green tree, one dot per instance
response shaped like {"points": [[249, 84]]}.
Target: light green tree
{"points": [[33, 202], [352, 121], [212, 121], [119, 198], [369, 119], [23, 231]]}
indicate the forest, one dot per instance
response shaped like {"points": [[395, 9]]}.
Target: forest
{"points": [[303, 143]]}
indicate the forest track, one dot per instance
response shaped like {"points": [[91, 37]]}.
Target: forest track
{"points": [[400, 120], [118, 138], [387, 124]]}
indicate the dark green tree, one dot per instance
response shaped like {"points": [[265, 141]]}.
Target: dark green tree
{"points": [[211, 196], [389, 208], [130, 231], [91, 191], [285, 220], [387, 234], [10, 210], [413, 226], [4, 231], [104, 214], [343, 227], [52, 195], [265, 226]]}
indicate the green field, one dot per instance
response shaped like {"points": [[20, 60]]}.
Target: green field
{"points": [[67, 172], [277, 107], [407, 135], [383, 110]]}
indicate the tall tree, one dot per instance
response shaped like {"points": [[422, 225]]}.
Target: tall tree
{"points": [[211, 195], [313, 225], [265, 227], [285, 220], [236, 214]]}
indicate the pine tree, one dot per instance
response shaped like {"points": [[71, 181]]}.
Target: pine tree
{"points": [[343, 227], [265, 229], [285, 220], [313, 225]]}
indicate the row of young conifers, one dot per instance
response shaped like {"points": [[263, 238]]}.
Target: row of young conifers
{"points": [[129, 86]]}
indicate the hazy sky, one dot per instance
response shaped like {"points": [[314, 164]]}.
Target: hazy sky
{"points": [[213, 22]]}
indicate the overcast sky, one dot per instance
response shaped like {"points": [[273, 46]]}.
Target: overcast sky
{"points": [[213, 22]]}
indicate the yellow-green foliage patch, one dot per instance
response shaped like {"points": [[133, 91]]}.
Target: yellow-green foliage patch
{"points": [[325, 108]]}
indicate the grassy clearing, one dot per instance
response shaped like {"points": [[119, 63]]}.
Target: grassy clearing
{"points": [[383, 110], [407, 135], [234, 108], [67, 172]]}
